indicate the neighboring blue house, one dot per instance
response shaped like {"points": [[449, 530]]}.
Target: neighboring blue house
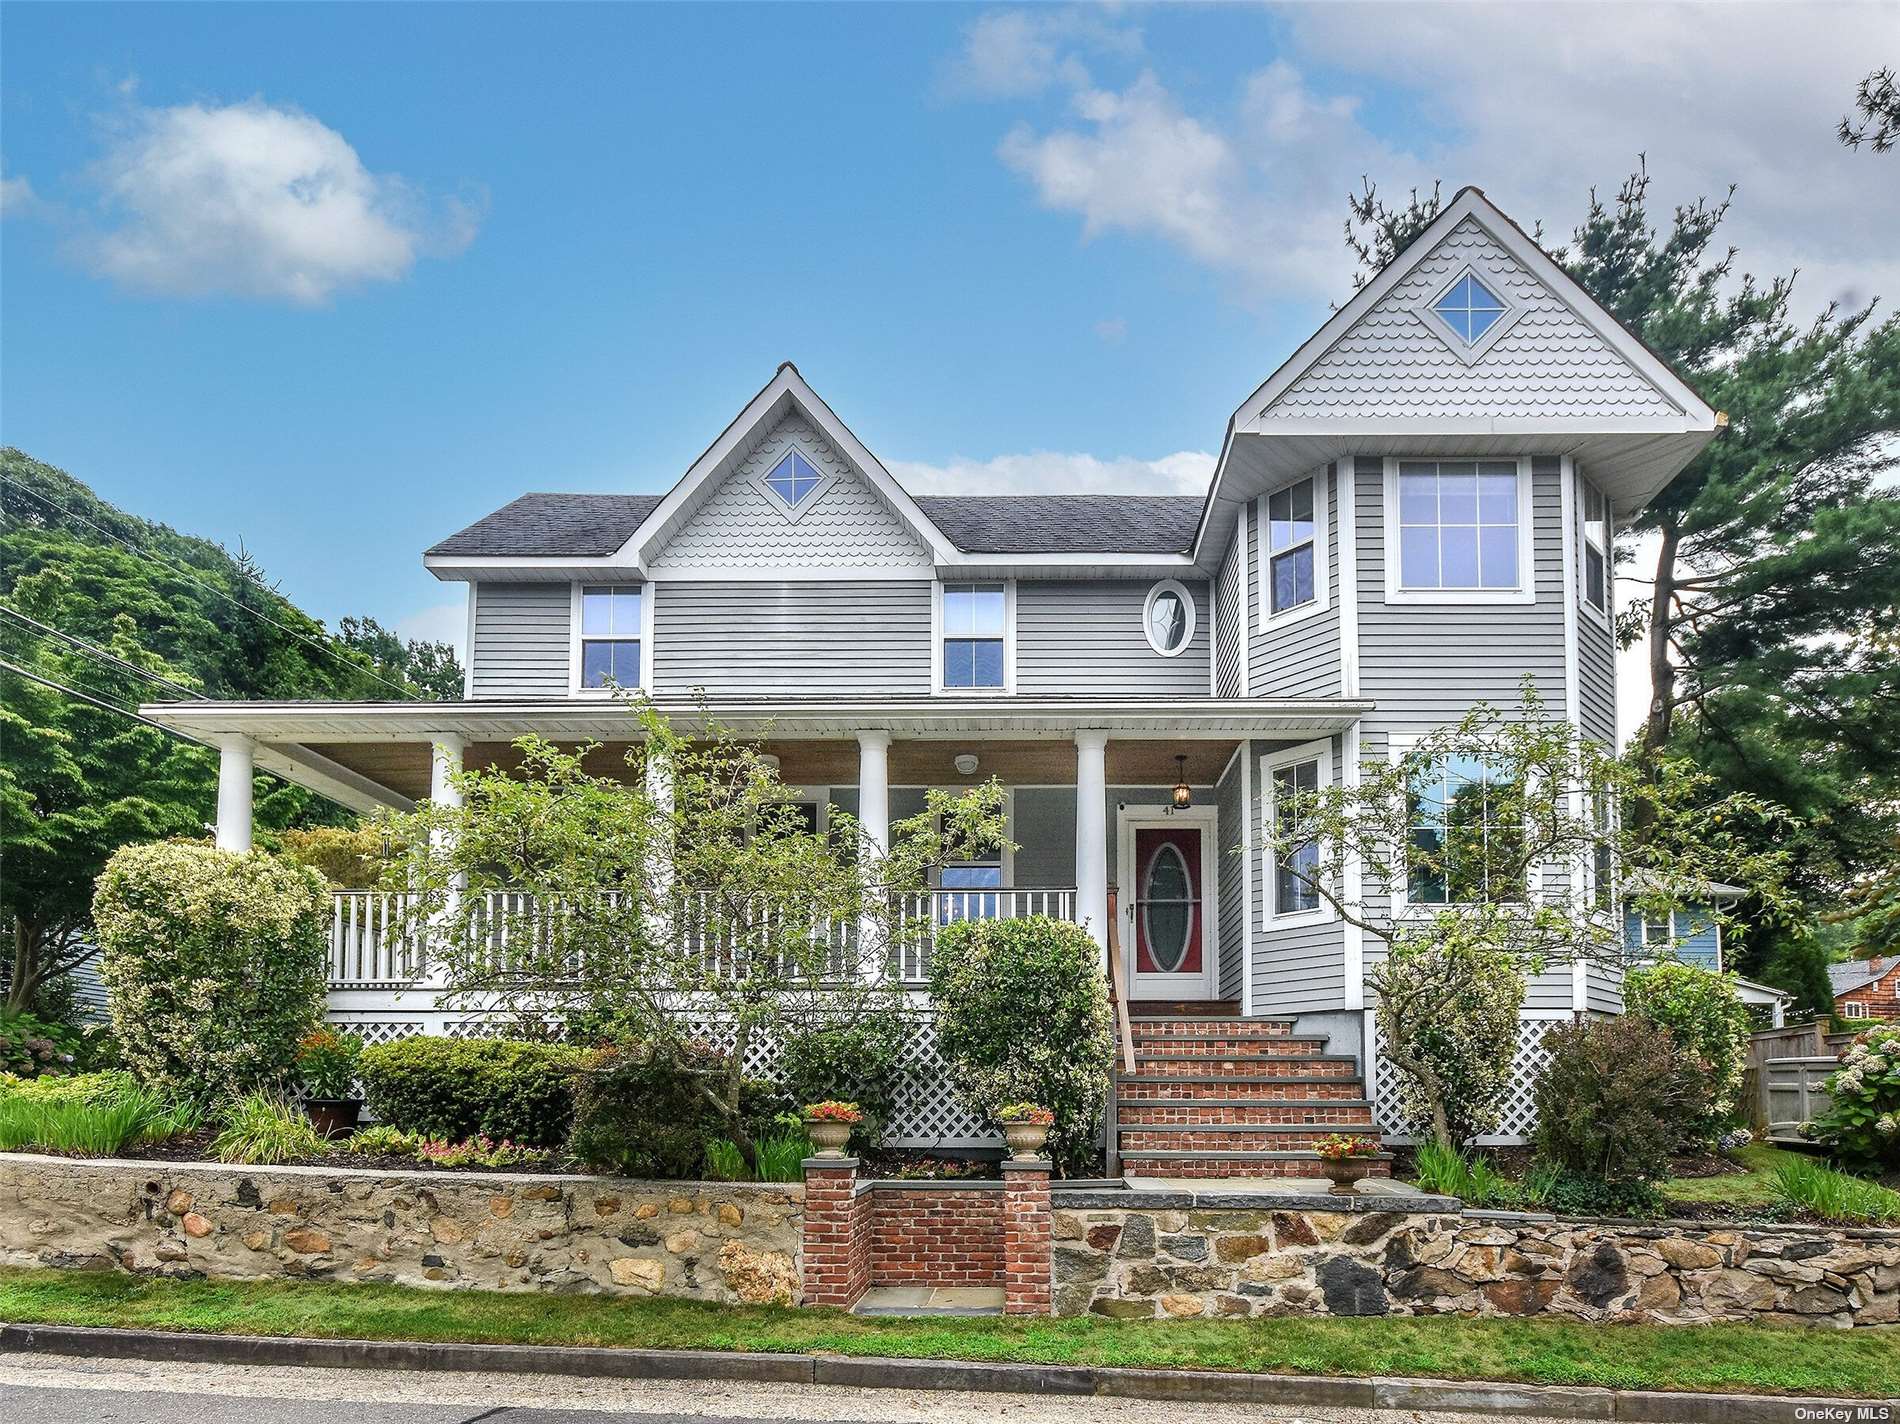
{"points": [[1693, 935]]}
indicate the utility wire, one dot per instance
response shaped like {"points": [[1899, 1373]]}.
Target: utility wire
{"points": [[174, 569], [93, 648], [99, 702]]}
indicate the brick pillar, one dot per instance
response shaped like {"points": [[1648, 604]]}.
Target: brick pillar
{"points": [[837, 1250], [1028, 1263]]}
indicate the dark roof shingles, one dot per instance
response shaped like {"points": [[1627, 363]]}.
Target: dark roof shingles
{"points": [[553, 526]]}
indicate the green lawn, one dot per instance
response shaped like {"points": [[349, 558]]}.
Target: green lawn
{"points": [[1754, 1189], [1761, 1359]]}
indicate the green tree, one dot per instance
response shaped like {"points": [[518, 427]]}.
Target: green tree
{"points": [[1877, 106], [678, 905]]}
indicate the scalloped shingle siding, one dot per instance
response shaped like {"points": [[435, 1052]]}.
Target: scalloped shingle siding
{"points": [[1390, 366]]}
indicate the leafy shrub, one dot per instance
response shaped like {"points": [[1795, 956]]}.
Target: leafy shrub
{"points": [[1448, 1020], [105, 1086], [857, 1062], [1710, 1025], [1835, 1195], [381, 1139], [215, 964], [1611, 1098], [266, 1129], [459, 1088], [30, 1046], [1862, 1124], [349, 857], [326, 1062], [1022, 1016], [1579, 1194], [639, 1112]]}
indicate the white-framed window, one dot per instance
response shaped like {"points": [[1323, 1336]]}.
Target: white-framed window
{"points": [[1471, 312], [1458, 531], [975, 636], [610, 624], [1659, 931], [1293, 550], [1603, 856], [1856, 1009], [1465, 834], [968, 888], [794, 481], [1288, 780], [1594, 570], [1167, 617]]}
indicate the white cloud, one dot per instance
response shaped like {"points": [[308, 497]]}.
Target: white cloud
{"points": [[1058, 472], [438, 623], [1012, 53], [253, 201], [1112, 329], [1533, 103], [18, 200]]}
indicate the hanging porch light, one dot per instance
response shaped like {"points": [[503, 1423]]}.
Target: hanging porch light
{"points": [[1183, 793]]}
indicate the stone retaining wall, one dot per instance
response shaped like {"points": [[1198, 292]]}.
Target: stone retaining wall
{"points": [[705, 1240], [1185, 1256]]}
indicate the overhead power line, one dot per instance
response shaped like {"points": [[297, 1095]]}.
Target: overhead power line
{"points": [[99, 702], [186, 573], [98, 652]]}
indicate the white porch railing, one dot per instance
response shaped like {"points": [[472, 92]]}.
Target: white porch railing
{"points": [[363, 954]]}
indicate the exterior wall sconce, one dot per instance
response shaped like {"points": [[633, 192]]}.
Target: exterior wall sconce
{"points": [[1183, 793], [965, 763]]}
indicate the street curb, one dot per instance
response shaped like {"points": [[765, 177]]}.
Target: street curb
{"points": [[1201, 1386]]}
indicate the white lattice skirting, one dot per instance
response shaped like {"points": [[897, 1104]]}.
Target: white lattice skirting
{"points": [[927, 1116], [1520, 1109]]}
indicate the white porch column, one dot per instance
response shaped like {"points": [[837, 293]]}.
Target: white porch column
{"points": [[1091, 833], [235, 758], [445, 762], [874, 788]]}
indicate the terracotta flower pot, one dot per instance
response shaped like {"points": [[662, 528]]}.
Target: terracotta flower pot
{"points": [[828, 1136], [1344, 1172], [1025, 1138], [333, 1117]]}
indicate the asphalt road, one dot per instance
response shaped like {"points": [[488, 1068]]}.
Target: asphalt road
{"points": [[39, 1389]]}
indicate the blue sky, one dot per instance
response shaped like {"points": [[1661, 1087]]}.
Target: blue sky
{"points": [[332, 282]]}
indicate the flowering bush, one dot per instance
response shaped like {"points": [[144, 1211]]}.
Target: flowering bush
{"points": [[29, 1047], [1025, 1112], [1338, 1147], [1706, 1018], [1862, 1124], [215, 964], [1022, 1016], [326, 1061], [480, 1151], [1734, 1139], [831, 1110]]}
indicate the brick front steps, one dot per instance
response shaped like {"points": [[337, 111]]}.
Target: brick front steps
{"points": [[1224, 1096]]}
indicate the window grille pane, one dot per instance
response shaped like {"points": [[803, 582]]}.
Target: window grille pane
{"points": [[1458, 556], [1292, 579], [1499, 551], [1418, 558]]}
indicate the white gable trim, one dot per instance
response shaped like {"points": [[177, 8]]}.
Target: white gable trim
{"points": [[785, 387]]}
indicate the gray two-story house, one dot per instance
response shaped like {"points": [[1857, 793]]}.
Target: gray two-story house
{"points": [[1408, 517]]}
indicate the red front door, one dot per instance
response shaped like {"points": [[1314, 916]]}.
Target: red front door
{"points": [[1169, 929]]}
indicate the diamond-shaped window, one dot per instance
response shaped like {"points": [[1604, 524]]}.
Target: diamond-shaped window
{"points": [[1469, 308], [793, 479]]}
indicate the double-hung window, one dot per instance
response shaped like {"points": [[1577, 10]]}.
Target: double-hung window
{"points": [[975, 616], [610, 636], [1856, 1009], [1466, 834], [1459, 529], [1292, 545], [1659, 932], [1596, 548], [1603, 856], [1294, 787]]}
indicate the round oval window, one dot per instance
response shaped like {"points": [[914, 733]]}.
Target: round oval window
{"points": [[1170, 618], [1167, 909]]}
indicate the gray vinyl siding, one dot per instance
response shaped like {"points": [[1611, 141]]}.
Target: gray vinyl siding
{"points": [[1084, 637], [859, 639], [1298, 658], [1230, 875], [1296, 968], [1231, 612], [1596, 679], [521, 640], [1044, 833], [1606, 989]]}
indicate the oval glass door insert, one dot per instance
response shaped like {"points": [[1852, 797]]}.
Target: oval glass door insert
{"points": [[1167, 909]]}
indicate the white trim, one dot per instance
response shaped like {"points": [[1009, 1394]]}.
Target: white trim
{"points": [[1129, 819], [1009, 640], [574, 639], [1346, 478], [1322, 550], [1180, 590], [1244, 532], [468, 656], [1580, 890], [1470, 353], [1354, 946], [649, 646], [801, 574], [1603, 616], [792, 513], [1245, 752], [1526, 590], [1320, 751]]}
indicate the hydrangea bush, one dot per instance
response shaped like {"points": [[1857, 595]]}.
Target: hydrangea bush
{"points": [[1862, 1126], [1710, 1025], [215, 963], [1022, 1016]]}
